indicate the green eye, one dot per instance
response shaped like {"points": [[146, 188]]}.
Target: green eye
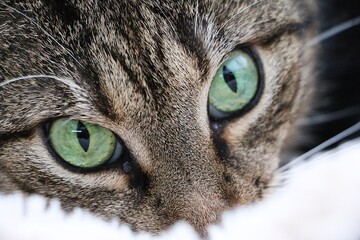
{"points": [[82, 144], [234, 86]]}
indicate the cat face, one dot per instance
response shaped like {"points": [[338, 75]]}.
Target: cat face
{"points": [[142, 72]]}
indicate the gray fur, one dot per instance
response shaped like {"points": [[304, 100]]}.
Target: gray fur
{"points": [[143, 70]]}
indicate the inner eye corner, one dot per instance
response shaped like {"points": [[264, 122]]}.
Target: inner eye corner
{"points": [[216, 114]]}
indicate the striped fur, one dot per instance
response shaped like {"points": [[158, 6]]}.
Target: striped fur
{"points": [[143, 70]]}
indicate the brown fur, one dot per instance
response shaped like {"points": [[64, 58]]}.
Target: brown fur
{"points": [[143, 70]]}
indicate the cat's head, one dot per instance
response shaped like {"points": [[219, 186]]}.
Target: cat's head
{"points": [[179, 108]]}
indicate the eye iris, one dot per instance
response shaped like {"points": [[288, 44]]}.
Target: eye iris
{"points": [[82, 144], [234, 86]]}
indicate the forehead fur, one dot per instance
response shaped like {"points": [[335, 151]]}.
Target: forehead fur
{"points": [[139, 57]]}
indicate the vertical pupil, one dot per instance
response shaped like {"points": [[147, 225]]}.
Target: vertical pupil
{"points": [[230, 79], [83, 136]]}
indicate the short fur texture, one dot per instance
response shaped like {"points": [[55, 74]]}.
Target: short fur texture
{"points": [[143, 70]]}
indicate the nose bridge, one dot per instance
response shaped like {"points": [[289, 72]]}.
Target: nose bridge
{"points": [[202, 208], [188, 176], [189, 153], [196, 197], [185, 176]]}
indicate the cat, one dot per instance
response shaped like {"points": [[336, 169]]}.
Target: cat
{"points": [[115, 106]]}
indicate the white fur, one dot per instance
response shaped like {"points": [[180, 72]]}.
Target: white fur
{"points": [[321, 200]]}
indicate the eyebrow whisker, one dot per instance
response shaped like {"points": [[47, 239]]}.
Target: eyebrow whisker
{"points": [[69, 83], [43, 30], [238, 13], [196, 17]]}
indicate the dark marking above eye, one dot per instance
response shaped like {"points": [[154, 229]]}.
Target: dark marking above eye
{"points": [[65, 10], [230, 79], [83, 136], [227, 178]]}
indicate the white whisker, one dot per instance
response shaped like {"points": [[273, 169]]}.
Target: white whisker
{"points": [[171, 26], [334, 31], [196, 17], [331, 116], [69, 83], [238, 13], [348, 132], [42, 29]]}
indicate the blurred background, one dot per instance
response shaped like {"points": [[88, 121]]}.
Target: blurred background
{"points": [[338, 87]]}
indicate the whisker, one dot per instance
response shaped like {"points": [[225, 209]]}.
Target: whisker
{"points": [[329, 117], [196, 17], [69, 83], [168, 21], [334, 31], [237, 14], [337, 138], [42, 29]]}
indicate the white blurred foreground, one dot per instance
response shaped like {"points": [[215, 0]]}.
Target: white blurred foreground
{"points": [[320, 200]]}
